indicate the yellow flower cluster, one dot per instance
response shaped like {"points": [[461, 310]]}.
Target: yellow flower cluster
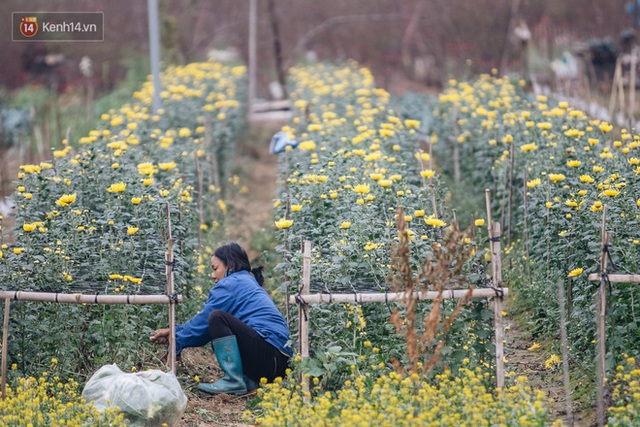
{"points": [[406, 400], [51, 402], [626, 395]]}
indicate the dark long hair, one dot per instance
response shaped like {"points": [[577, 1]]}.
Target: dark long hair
{"points": [[235, 258]]}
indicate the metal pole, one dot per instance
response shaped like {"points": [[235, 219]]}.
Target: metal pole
{"points": [[154, 52], [253, 21]]}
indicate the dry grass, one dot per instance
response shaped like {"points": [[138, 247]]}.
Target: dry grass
{"points": [[440, 272]]}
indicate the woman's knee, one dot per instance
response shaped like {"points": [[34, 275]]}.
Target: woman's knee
{"points": [[218, 316], [219, 323]]}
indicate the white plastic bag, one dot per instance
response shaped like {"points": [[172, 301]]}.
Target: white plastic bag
{"points": [[148, 398]]}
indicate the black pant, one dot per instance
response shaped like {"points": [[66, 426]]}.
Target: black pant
{"points": [[259, 358]]}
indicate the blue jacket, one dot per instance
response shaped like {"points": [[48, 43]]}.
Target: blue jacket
{"points": [[240, 295]]}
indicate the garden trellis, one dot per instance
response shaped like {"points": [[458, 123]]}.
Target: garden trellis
{"points": [[304, 298], [170, 298], [605, 280]]}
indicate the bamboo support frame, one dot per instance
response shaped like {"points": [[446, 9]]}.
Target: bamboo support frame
{"points": [[600, 305], [616, 278], [86, 298], [392, 296], [303, 314], [496, 269], [71, 299], [304, 298], [171, 357], [78, 298]]}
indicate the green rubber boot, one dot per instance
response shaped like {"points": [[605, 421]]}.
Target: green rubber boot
{"points": [[228, 355]]}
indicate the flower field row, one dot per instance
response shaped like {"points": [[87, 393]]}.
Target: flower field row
{"points": [[358, 160], [93, 218], [400, 400], [570, 167]]}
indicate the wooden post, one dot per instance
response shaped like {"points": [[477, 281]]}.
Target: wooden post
{"points": [[431, 186], [200, 192], [303, 308], [509, 222], [564, 346], [208, 143], [5, 340], [60, 298], [601, 347], [397, 296], [456, 161], [632, 88], [526, 226], [253, 31], [171, 357], [496, 268], [496, 265], [614, 89]]}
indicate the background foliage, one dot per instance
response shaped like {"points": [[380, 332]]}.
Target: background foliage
{"points": [[93, 220]]}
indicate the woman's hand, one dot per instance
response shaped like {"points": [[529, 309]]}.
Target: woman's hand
{"points": [[160, 336]]}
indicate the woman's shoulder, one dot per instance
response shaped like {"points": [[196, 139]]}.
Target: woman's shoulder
{"points": [[237, 278]]}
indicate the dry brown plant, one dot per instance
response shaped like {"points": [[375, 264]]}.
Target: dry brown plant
{"points": [[440, 272]]}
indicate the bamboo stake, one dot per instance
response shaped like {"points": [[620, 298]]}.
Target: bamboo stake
{"points": [[496, 267], [621, 96], [526, 226], [214, 161], [396, 296], [614, 88], [456, 161], [564, 346], [171, 357], [616, 278], [632, 87], [487, 200], [5, 340], [509, 222], [498, 321], [431, 186], [286, 239], [200, 192], [86, 299], [601, 347], [303, 309]]}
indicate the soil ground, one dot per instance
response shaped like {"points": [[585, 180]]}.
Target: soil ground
{"points": [[531, 363]]}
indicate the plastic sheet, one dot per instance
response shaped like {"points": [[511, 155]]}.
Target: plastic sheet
{"points": [[149, 398]]}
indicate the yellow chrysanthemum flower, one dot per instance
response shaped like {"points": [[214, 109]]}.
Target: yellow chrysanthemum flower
{"points": [[284, 223], [66, 199], [434, 222], [575, 272], [117, 187]]}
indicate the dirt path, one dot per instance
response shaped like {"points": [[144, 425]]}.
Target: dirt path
{"points": [[523, 360], [252, 215], [258, 171]]}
